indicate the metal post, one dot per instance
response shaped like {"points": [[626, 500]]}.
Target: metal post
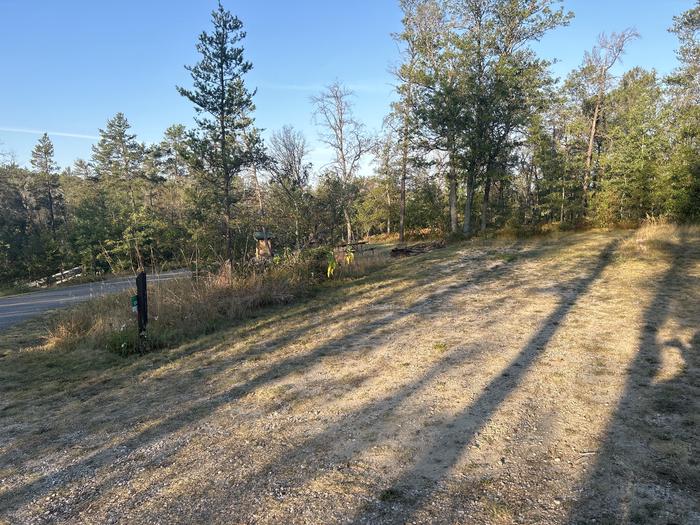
{"points": [[141, 305]]}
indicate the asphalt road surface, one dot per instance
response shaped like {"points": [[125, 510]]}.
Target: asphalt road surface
{"points": [[17, 308]]}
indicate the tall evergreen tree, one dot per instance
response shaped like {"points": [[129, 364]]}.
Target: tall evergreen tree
{"points": [[49, 188], [172, 149], [119, 166], [682, 173], [631, 150], [118, 160], [224, 106]]}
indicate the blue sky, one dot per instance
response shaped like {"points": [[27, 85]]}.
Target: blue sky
{"points": [[70, 65]]}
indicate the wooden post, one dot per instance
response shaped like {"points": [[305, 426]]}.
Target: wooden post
{"points": [[141, 306]]}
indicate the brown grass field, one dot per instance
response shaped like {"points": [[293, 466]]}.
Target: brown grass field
{"points": [[553, 380]]}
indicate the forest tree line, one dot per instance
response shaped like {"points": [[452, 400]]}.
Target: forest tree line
{"points": [[481, 137]]}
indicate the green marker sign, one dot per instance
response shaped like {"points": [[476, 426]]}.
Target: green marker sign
{"points": [[134, 303]]}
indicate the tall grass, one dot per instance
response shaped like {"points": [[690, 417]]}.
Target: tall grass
{"points": [[657, 237], [184, 309]]}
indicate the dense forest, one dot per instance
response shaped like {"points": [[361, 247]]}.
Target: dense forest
{"points": [[480, 138]]}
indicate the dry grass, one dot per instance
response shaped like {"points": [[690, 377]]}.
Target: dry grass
{"points": [[180, 310], [654, 238], [541, 381]]}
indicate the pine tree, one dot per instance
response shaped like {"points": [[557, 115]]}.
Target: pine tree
{"points": [[119, 165], [49, 188], [171, 149], [682, 184], [224, 106], [118, 157], [631, 150]]}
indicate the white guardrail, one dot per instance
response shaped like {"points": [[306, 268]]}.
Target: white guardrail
{"points": [[58, 278]]}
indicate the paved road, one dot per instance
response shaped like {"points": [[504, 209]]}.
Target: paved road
{"points": [[17, 308]]}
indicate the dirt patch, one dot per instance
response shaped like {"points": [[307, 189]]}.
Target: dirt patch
{"points": [[504, 382]]}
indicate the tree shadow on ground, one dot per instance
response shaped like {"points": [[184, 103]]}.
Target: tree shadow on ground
{"points": [[648, 466], [414, 486], [344, 343], [35, 446]]}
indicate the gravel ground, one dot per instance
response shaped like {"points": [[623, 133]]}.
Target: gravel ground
{"points": [[549, 381]]}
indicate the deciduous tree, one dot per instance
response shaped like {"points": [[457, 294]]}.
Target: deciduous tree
{"points": [[346, 137]]}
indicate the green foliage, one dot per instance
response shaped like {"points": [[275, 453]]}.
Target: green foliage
{"points": [[426, 204], [633, 139], [332, 265], [220, 148], [349, 256], [480, 133], [376, 209]]}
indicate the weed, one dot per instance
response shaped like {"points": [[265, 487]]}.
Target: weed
{"points": [[506, 257], [498, 511], [440, 347]]}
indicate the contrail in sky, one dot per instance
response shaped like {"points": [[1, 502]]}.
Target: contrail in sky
{"points": [[55, 133]]}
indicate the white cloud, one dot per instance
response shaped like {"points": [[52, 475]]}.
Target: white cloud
{"points": [[54, 133]]}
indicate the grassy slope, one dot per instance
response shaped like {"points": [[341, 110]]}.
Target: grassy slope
{"points": [[548, 381]]}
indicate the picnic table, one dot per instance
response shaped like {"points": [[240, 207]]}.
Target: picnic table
{"points": [[357, 247]]}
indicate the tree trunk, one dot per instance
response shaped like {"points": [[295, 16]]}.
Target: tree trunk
{"points": [[388, 216], [228, 218], [589, 152], [348, 225], [296, 226], [469, 204], [404, 172], [467, 227], [52, 215], [261, 213], [485, 207], [402, 206], [563, 197], [536, 210], [501, 198], [452, 178]]}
